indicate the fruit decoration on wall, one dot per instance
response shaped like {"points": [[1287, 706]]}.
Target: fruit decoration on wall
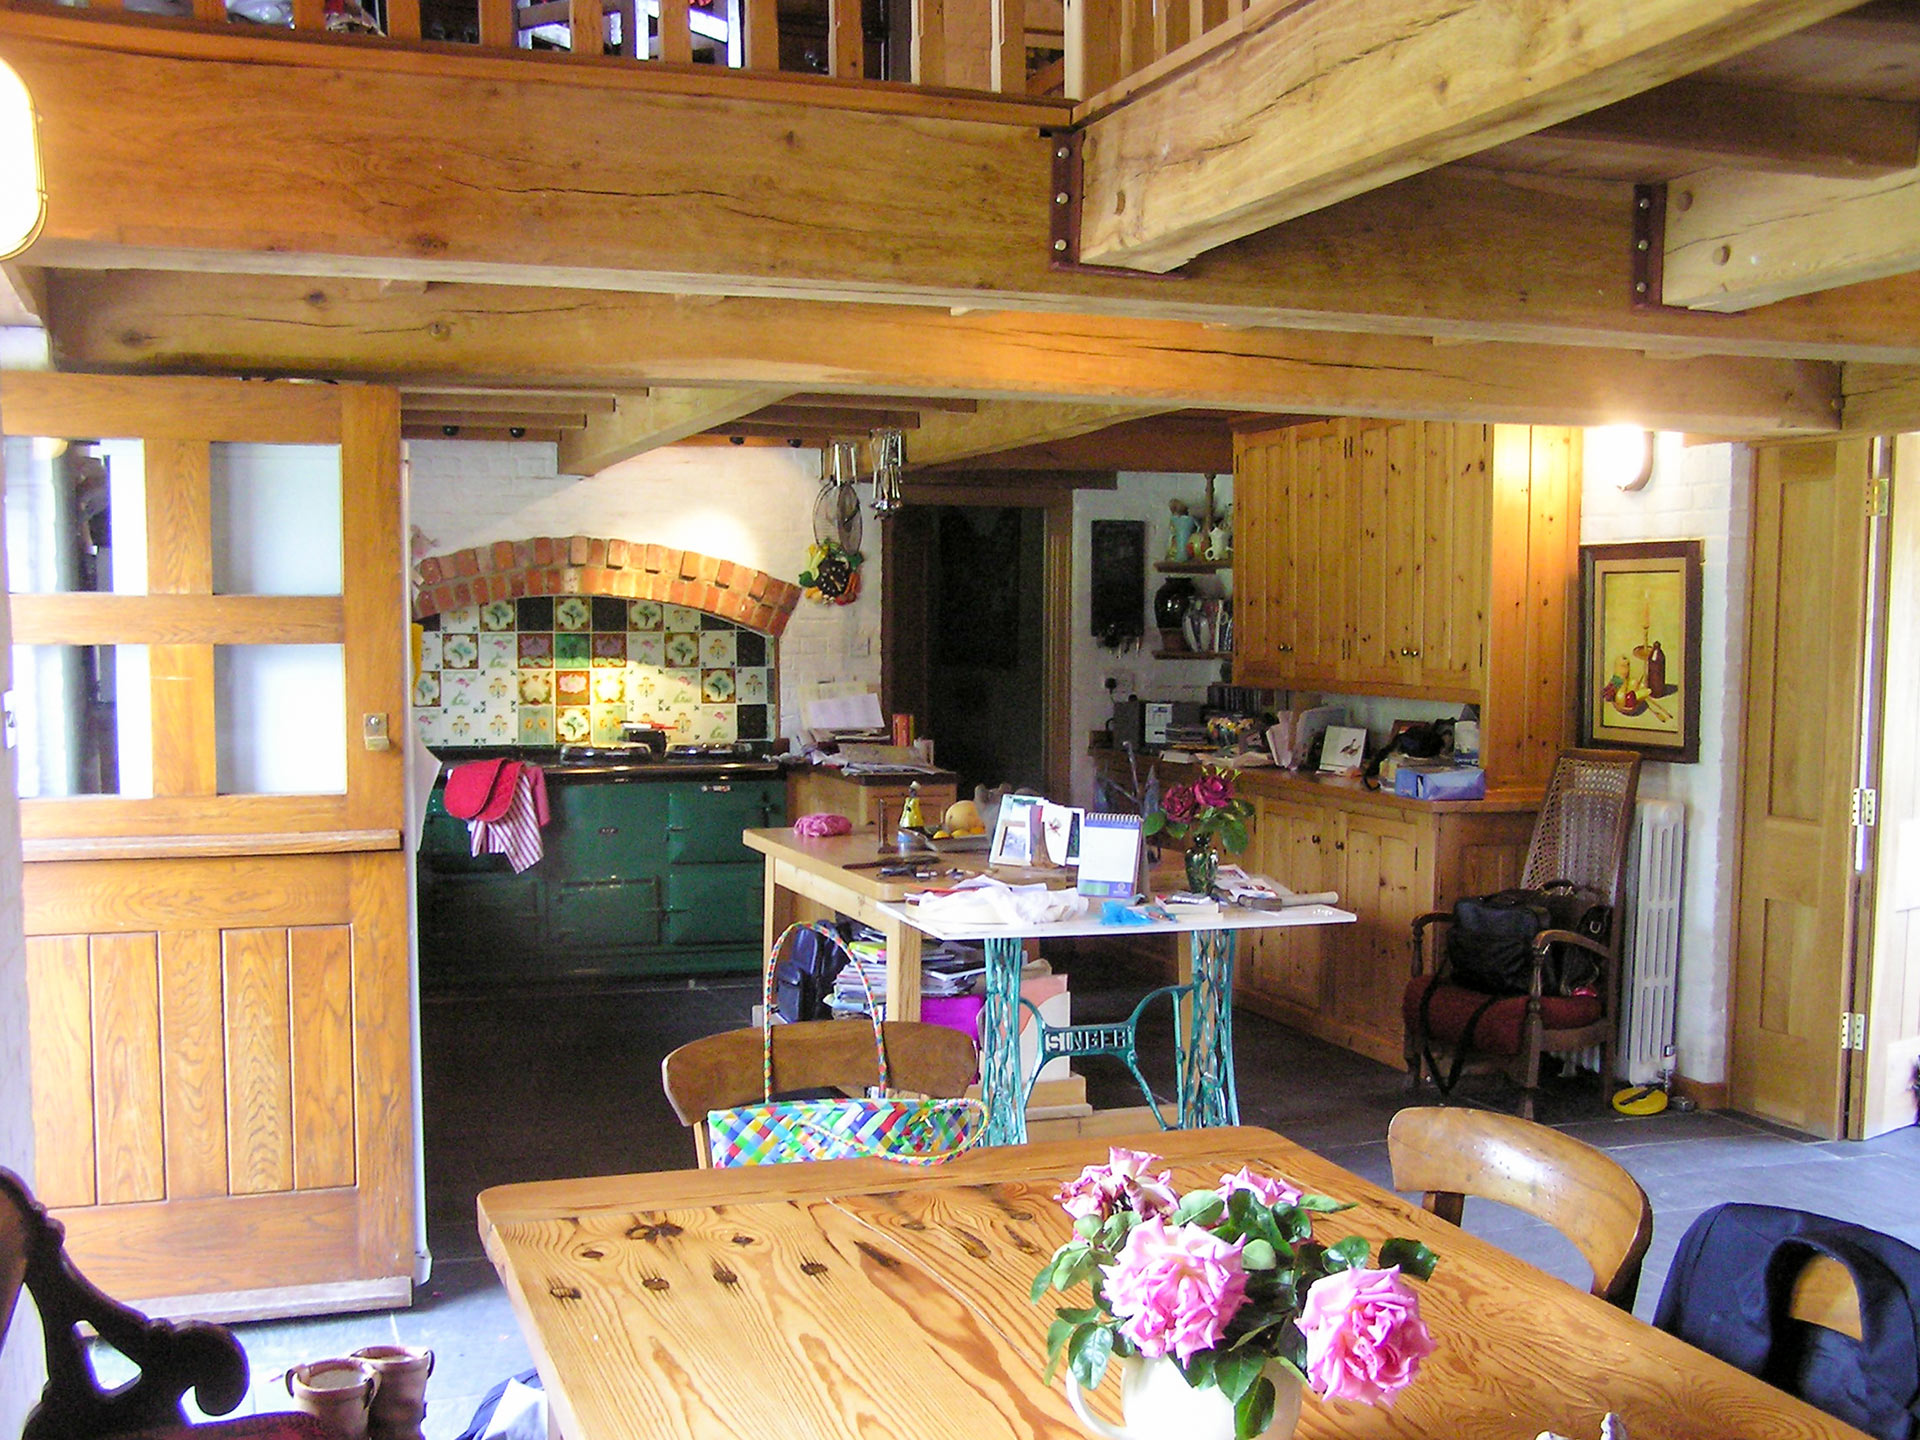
{"points": [[832, 576]]}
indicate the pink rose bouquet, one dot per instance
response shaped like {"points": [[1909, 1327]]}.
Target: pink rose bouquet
{"points": [[1227, 1281], [1204, 814]]}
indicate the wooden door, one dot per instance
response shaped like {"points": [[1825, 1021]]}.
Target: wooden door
{"points": [[1455, 482], [1794, 931], [1384, 881], [1259, 610], [215, 895], [1294, 844], [1320, 533], [1385, 557]]}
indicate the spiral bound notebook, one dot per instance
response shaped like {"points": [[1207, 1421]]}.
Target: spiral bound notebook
{"points": [[1112, 856]]}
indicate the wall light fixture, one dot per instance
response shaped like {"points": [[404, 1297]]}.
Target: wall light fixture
{"points": [[1619, 455]]}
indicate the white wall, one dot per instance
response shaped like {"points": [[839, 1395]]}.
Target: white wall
{"points": [[1139, 496], [752, 505], [1701, 492]]}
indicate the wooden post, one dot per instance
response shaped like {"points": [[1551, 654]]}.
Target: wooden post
{"points": [[929, 42], [497, 30], [676, 34], [586, 27], [1008, 58], [760, 47], [309, 15], [846, 45], [1093, 46], [403, 19]]}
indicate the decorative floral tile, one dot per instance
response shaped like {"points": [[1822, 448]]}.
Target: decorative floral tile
{"points": [[647, 648], [678, 723], [716, 649], [460, 690], [610, 649], [459, 651], [608, 722], [536, 725], [716, 724], [680, 687], [426, 688], [429, 651], [460, 729], [536, 649], [536, 687], [643, 683], [499, 652], [750, 686], [572, 687], [716, 685], [610, 687], [498, 615], [465, 619], [572, 612], [572, 649], [643, 615], [683, 649], [574, 725], [502, 728], [502, 685], [679, 617], [430, 726]]}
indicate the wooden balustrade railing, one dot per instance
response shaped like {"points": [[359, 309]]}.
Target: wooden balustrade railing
{"points": [[1093, 51]]}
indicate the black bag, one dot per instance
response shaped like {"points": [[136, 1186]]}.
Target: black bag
{"points": [[1490, 943], [803, 977]]}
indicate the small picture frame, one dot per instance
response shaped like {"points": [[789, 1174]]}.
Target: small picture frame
{"points": [[1013, 831], [1640, 648], [1343, 750]]}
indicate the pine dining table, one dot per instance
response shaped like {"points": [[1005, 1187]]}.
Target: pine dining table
{"points": [[861, 1299]]}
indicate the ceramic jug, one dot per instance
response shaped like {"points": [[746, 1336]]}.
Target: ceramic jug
{"points": [[400, 1404], [339, 1393], [1158, 1404]]}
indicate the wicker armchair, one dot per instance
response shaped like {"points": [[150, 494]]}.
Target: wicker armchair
{"points": [[1580, 836]]}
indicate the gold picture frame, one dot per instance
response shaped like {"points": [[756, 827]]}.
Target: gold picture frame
{"points": [[1640, 648]]}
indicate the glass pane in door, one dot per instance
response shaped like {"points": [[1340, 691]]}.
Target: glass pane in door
{"points": [[276, 519], [84, 722], [280, 719], [76, 515]]}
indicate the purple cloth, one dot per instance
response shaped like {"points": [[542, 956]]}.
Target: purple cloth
{"points": [[819, 827]]}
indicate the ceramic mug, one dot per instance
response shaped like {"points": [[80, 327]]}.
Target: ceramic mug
{"points": [[339, 1393], [400, 1404]]}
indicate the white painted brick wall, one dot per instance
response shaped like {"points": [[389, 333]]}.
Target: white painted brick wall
{"points": [[1699, 492], [753, 506]]}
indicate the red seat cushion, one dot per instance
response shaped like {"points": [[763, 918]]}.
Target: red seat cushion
{"points": [[1499, 1029]]}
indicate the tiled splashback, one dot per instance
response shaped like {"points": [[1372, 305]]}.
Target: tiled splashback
{"points": [[573, 669]]}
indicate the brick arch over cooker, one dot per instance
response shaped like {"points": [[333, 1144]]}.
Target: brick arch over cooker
{"points": [[585, 565]]}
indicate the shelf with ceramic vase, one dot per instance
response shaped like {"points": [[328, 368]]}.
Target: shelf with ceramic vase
{"points": [[1192, 567]]}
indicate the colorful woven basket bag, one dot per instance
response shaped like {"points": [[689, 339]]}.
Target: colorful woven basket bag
{"points": [[878, 1126]]}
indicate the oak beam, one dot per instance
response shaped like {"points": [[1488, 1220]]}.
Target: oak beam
{"points": [[660, 418], [1736, 240], [1457, 253], [1690, 125], [156, 321], [1325, 101], [842, 419], [1010, 425], [1880, 399]]}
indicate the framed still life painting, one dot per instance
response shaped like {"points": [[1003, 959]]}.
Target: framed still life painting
{"points": [[1640, 648]]}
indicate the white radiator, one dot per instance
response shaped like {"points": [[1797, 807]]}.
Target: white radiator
{"points": [[1650, 947]]}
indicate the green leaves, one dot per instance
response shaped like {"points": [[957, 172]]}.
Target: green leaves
{"points": [[1348, 1254], [1253, 1410], [1202, 1207], [1259, 1255], [1088, 1351], [1411, 1256], [1236, 1371]]}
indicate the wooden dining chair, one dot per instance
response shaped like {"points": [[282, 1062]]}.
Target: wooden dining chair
{"points": [[719, 1072], [1580, 836], [1451, 1153], [172, 1358]]}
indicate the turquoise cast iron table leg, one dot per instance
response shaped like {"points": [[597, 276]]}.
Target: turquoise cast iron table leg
{"points": [[1208, 1095], [1000, 1089]]}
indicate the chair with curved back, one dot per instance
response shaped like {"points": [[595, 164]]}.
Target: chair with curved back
{"points": [[1450, 1153], [1580, 836], [720, 1072], [173, 1358]]}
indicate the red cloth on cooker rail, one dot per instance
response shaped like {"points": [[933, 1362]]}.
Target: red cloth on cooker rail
{"points": [[516, 833]]}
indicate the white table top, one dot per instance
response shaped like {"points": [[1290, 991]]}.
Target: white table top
{"points": [[1231, 917]]}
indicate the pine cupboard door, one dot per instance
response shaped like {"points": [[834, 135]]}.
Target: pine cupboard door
{"points": [[1455, 485], [1386, 555], [209, 634], [1296, 848], [1259, 610], [1793, 930], [1385, 879], [1321, 511]]}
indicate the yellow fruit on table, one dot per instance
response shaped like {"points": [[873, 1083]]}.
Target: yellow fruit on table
{"points": [[943, 834], [963, 818]]}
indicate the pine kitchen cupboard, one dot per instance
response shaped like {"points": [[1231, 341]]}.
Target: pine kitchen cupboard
{"points": [[1415, 559], [869, 801]]}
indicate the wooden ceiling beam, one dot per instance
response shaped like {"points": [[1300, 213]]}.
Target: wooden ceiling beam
{"points": [[569, 402], [664, 416], [1692, 125], [840, 419], [955, 212], [1329, 100], [1736, 239], [552, 420], [816, 400], [1880, 399], [1010, 425], [161, 322], [1174, 442], [411, 431]]}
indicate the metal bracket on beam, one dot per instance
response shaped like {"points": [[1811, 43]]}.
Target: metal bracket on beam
{"points": [[1649, 253], [1063, 213]]}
